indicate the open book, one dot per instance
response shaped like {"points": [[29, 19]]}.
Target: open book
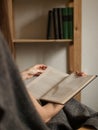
{"points": [[56, 86]]}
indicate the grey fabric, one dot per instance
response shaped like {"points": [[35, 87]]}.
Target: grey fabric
{"points": [[59, 122], [73, 116], [80, 115], [17, 111]]}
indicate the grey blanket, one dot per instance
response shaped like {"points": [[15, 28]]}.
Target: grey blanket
{"points": [[17, 111]]}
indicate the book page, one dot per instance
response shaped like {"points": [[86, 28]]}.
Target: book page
{"points": [[66, 89], [43, 83]]}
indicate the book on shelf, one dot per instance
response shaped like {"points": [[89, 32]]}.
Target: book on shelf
{"points": [[65, 17], [55, 21], [67, 13], [60, 23], [56, 86], [49, 25], [70, 22]]}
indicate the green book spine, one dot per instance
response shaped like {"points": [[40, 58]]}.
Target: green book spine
{"points": [[70, 21], [65, 22]]}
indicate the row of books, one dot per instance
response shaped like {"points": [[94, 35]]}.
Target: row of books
{"points": [[60, 23]]}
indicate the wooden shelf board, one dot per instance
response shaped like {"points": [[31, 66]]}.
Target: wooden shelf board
{"points": [[41, 41]]}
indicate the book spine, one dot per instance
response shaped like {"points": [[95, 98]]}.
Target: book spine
{"points": [[65, 23], [49, 24], [70, 21], [55, 21], [60, 23]]}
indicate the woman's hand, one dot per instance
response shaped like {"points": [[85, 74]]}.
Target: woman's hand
{"points": [[80, 73], [37, 69], [33, 71]]}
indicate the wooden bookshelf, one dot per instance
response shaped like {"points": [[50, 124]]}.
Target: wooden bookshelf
{"points": [[74, 49]]}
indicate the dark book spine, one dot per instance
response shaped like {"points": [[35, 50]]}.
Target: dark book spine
{"points": [[55, 21], [70, 20], [60, 23], [49, 24], [65, 23]]}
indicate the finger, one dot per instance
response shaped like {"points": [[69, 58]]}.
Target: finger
{"points": [[37, 74], [43, 67], [80, 73]]}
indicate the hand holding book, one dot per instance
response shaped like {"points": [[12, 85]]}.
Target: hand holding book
{"points": [[33, 71], [81, 73], [39, 69], [56, 86]]}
